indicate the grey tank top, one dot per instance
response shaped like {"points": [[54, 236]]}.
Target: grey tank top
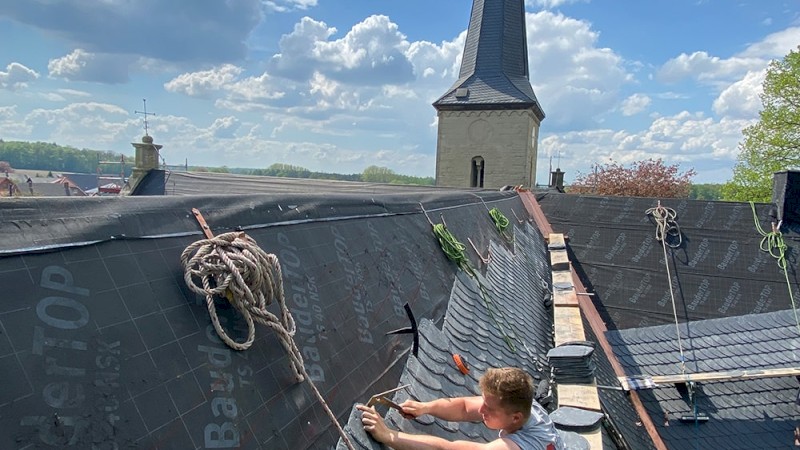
{"points": [[537, 433]]}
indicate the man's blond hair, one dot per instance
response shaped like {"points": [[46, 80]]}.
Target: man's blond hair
{"points": [[512, 386]]}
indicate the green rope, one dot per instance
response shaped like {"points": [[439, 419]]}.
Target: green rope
{"points": [[774, 244], [454, 250], [501, 223]]}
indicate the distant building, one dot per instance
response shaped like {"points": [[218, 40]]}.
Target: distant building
{"points": [[489, 119], [80, 181], [8, 188]]}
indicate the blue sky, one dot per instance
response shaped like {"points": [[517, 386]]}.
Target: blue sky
{"points": [[337, 86]]}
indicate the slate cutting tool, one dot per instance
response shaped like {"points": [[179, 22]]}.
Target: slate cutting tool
{"points": [[384, 400]]}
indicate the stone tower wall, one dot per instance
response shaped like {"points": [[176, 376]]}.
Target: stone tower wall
{"points": [[507, 141]]}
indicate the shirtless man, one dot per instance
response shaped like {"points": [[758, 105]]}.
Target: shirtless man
{"points": [[506, 404]]}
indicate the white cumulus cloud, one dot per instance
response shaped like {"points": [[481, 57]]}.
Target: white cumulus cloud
{"points": [[202, 83], [715, 70], [17, 76], [635, 104], [575, 80], [289, 5], [741, 99], [371, 53], [81, 65], [551, 4]]}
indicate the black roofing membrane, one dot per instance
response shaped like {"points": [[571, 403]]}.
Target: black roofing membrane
{"points": [[718, 270], [102, 344]]}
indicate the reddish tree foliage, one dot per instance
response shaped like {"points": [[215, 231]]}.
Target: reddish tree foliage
{"points": [[5, 167], [650, 178]]}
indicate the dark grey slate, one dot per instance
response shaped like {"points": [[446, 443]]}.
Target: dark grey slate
{"points": [[576, 419], [514, 286], [754, 413], [570, 351], [494, 66], [620, 412], [574, 441]]}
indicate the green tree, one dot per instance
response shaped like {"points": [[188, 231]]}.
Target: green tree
{"points": [[50, 156], [773, 143], [708, 191], [375, 174], [649, 178]]}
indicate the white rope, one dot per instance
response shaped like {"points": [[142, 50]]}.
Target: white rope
{"points": [[667, 226], [233, 266]]}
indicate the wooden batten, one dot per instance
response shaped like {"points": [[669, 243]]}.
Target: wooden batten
{"points": [[562, 277], [582, 396], [656, 381], [595, 439], [559, 260], [569, 326], [565, 298]]}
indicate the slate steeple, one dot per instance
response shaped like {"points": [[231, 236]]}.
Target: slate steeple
{"points": [[494, 67]]}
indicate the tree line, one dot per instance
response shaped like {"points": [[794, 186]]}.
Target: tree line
{"points": [[58, 158], [372, 174], [53, 157]]}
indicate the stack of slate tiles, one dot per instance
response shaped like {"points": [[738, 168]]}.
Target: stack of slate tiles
{"points": [[572, 363]]}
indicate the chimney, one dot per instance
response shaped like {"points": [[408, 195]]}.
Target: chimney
{"points": [[557, 180], [786, 195], [146, 159]]}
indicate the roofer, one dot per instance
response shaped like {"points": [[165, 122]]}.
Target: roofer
{"points": [[506, 404]]}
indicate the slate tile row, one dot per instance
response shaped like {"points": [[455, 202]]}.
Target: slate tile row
{"points": [[755, 413], [515, 285]]}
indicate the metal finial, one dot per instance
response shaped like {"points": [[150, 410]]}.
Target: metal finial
{"points": [[145, 114]]}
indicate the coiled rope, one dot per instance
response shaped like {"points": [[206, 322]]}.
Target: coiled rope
{"points": [[233, 266], [666, 226], [774, 244], [501, 223], [454, 250]]}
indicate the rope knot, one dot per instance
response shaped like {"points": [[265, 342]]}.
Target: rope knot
{"points": [[234, 267]]}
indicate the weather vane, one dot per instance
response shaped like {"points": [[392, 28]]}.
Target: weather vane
{"points": [[145, 114]]}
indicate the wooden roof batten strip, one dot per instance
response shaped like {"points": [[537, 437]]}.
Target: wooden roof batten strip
{"points": [[656, 381], [592, 316]]}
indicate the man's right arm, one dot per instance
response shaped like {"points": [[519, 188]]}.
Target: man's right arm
{"points": [[458, 409]]}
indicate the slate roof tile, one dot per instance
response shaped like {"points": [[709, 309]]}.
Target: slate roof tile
{"points": [[469, 330], [751, 413]]}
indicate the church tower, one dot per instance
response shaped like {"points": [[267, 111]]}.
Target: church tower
{"points": [[489, 119]]}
